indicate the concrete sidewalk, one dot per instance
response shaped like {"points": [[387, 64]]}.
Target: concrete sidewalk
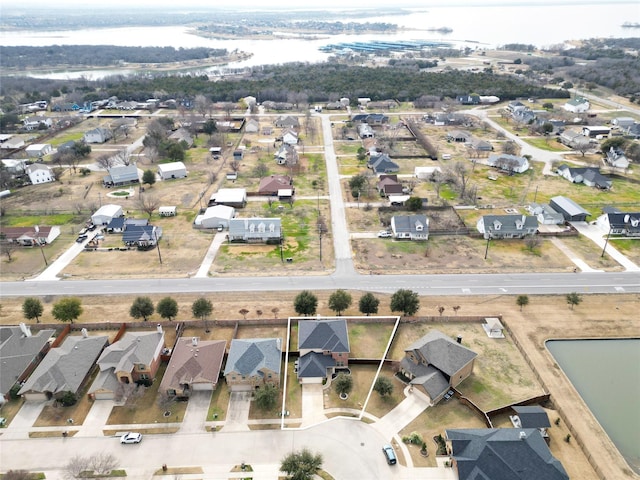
{"points": [[598, 237]]}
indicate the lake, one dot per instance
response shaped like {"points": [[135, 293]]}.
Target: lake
{"points": [[606, 374], [474, 26]]}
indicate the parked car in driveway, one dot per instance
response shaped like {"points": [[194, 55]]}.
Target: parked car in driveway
{"points": [[389, 454], [384, 234], [131, 437], [81, 238]]}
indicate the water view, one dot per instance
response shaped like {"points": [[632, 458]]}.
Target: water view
{"points": [[606, 374]]}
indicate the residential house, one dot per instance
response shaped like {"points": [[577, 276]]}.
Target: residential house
{"points": [[20, 353], [231, 197], [633, 131], [460, 136], [15, 167], [508, 163], [217, 216], [411, 227], [515, 106], [616, 222], [622, 122], [119, 224], [323, 345], [134, 358], [36, 123], [97, 135], [287, 121], [252, 126], [426, 173], [573, 139], [65, 107], [577, 105], [12, 143], [290, 137], [468, 99], [480, 145], [502, 454], [365, 131], [238, 154], [381, 163], [286, 155], [616, 158], [545, 214], [106, 213], [38, 150], [40, 173], [533, 416], [507, 226], [442, 118], [435, 363], [121, 175], [570, 210], [66, 147], [142, 236], [272, 184], [389, 185], [182, 135], [524, 116], [30, 236], [596, 131], [588, 175], [194, 366], [271, 105], [65, 368], [252, 363], [172, 170], [255, 230]]}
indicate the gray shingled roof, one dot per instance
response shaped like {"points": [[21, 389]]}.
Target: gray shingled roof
{"points": [[501, 454], [249, 356], [65, 367], [428, 377], [17, 351], [314, 365], [442, 352], [133, 348], [532, 416], [323, 335]]}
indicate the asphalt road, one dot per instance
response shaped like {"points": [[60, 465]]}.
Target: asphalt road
{"points": [[429, 285]]}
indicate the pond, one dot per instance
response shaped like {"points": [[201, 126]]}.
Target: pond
{"points": [[606, 374]]}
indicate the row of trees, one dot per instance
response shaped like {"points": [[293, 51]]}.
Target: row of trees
{"points": [[405, 301]]}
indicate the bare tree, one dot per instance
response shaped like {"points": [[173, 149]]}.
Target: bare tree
{"points": [[456, 308], [148, 204], [75, 466], [106, 161], [151, 153], [123, 157], [243, 312], [461, 175], [102, 463], [235, 165], [201, 104], [275, 311], [7, 249], [582, 148], [509, 147], [440, 310]]}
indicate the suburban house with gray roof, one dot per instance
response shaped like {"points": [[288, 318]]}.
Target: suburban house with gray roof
{"points": [[287, 121], [194, 365], [435, 363], [252, 363], [134, 358], [589, 176], [617, 222], [570, 210], [97, 135], [577, 105], [502, 454], [20, 353], [255, 230], [121, 175], [545, 214], [324, 347], [507, 226], [64, 369], [382, 163], [410, 227], [616, 158]]}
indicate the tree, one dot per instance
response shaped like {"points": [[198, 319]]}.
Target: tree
{"points": [[368, 304], [343, 383], [142, 307], [201, 308], [167, 308], [456, 308], [405, 301], [148, 204], [413, 204], [357, 185], [266, 397], [339, 301], [302, 465], [149, 177], [67, 309], [522, 301], [32, 308], [305, 303], [582, 147], [243, 312], [275, 311], [440, 310], [68, 398], [573, 299], [102, 463], [8, 249], [384, 386], [18, 475]]}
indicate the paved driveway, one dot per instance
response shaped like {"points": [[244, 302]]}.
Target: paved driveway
{"points": [[413, 405], [312, 404], [238, 412], [23, 421], [196, 414]]}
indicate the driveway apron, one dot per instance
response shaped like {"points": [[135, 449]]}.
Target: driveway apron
{"points": [[24, 420], [413, 405], [312, 404], [196, 414], [96, 419], [238, 412]]}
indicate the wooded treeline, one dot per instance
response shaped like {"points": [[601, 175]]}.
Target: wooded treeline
{"points": [[100, 55]]}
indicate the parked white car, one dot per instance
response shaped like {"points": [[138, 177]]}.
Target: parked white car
{"points": [[131, 437], [384, 234]]}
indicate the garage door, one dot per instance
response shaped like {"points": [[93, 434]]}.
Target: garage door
{"points": [[104, 395], [199, 387], [241, 388], [35, 397]]}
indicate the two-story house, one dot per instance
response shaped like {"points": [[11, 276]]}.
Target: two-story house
{"points": [[252, 363], [324, 348]]}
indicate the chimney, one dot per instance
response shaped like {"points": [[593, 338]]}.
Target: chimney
{"points": [[459, 339], [194, 341], [159, 328], [523, 435], [84, 333], [26, 331]]}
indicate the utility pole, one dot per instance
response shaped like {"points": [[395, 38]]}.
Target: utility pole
{"points": [[155, 234], [486, 251], [320, 232], [606, 242]]}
